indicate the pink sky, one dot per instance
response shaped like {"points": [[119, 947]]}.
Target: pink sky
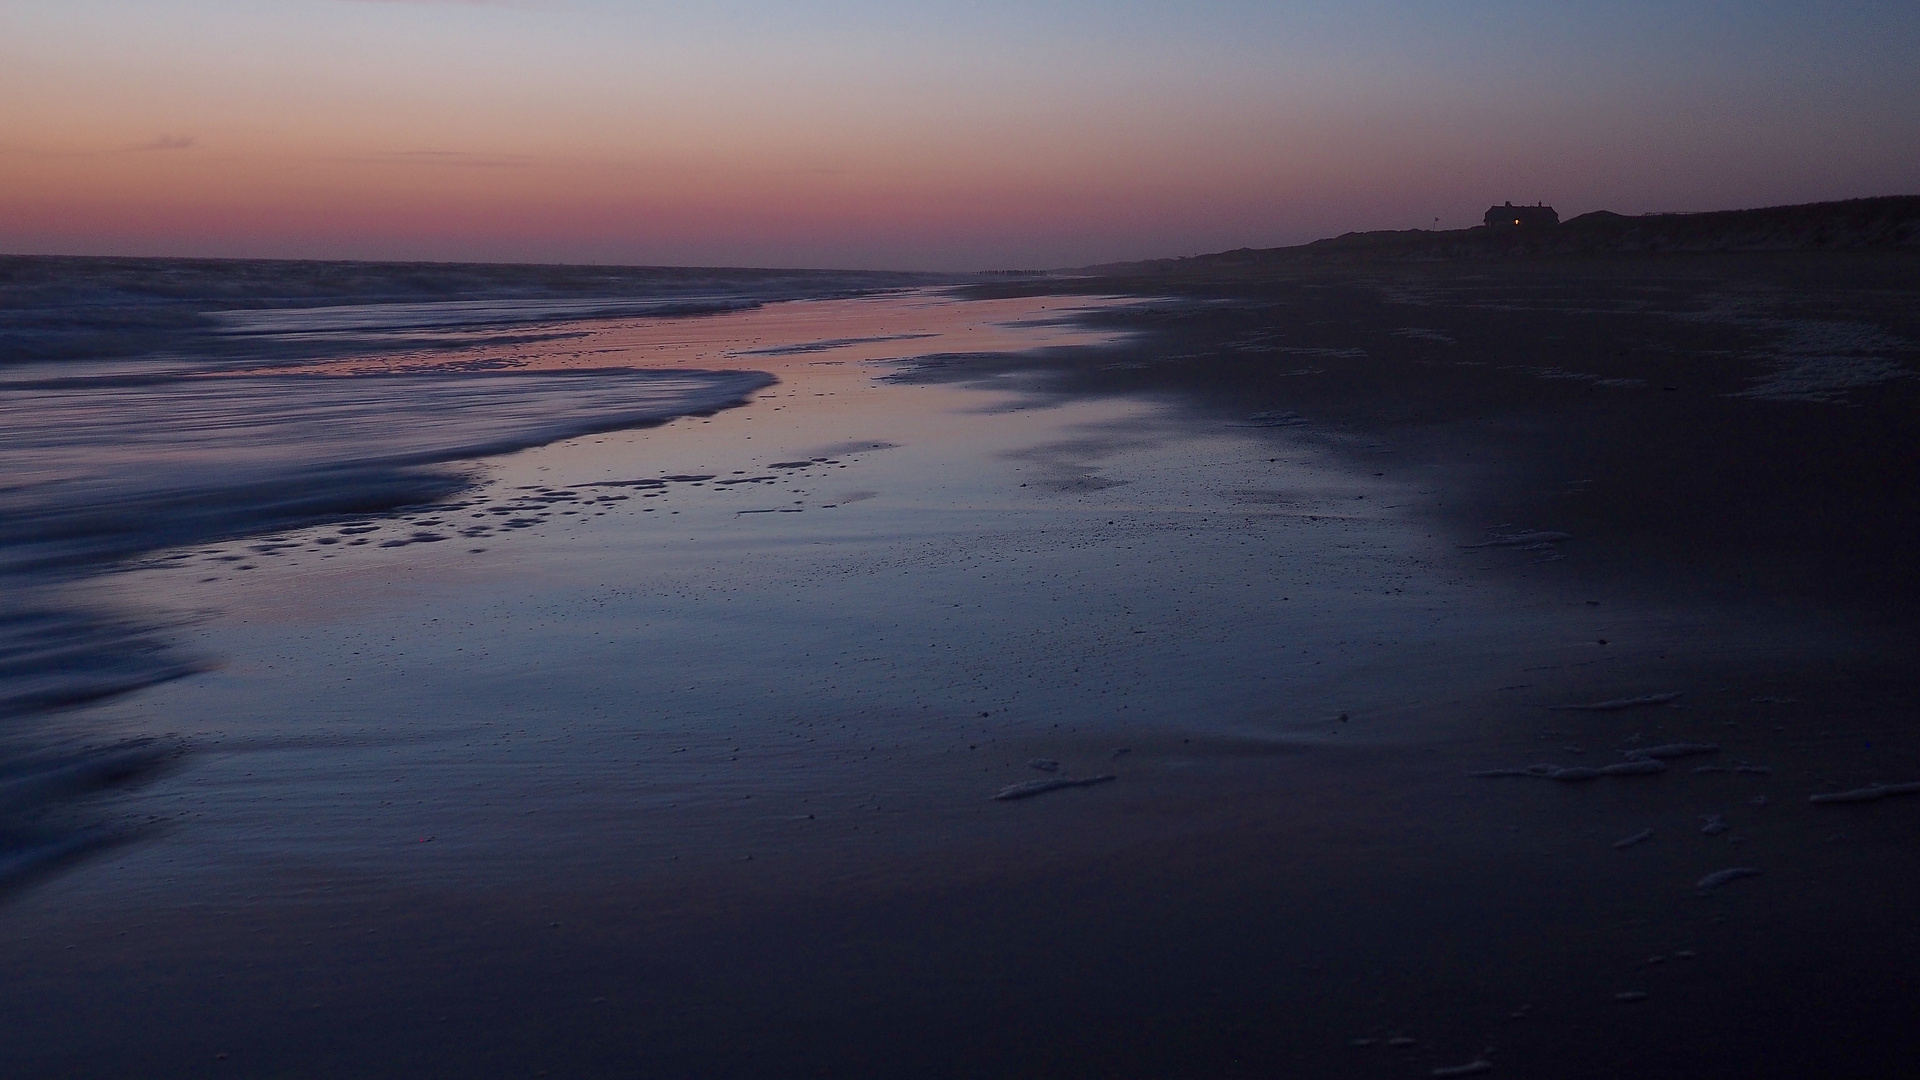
{"points": [[958, 136]]}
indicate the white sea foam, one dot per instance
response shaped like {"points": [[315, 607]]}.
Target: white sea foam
{"points": [[426, 315], [102, 468]]}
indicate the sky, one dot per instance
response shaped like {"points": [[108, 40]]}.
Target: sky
{"points": [[916, 135]]}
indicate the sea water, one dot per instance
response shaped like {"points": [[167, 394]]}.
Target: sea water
{"points": [[153, 405]]}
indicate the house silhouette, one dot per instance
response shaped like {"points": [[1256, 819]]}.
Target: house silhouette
{"points": [[1510, 216]]}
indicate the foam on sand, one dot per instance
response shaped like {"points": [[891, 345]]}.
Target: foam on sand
{"points": [[1721, 877], [1028, 789], [1617, 704], [1868, 794]]}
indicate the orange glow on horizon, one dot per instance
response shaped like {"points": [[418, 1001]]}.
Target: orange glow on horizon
{"points": [[941, 137]]}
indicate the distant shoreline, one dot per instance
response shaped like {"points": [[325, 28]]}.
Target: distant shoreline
{"points": [[1885, 222]]}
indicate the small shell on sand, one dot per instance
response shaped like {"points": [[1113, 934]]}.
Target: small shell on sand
{"points": [[1617, 704], [1867, 794], [1037, 787], [1721, 877]]}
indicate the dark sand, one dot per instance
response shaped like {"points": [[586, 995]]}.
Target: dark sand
{"points": [[1272, 906]]}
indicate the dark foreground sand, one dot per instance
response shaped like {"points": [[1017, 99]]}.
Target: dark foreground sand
{"points": [[1729, 443]]}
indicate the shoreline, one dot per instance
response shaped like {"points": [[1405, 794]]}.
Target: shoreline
{"points": [[1265, 901]]}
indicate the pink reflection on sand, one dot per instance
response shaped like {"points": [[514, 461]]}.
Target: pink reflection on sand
{"points": [[774, 337]]}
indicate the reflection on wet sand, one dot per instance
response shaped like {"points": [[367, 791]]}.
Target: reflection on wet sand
{"points": [[772, 337]]}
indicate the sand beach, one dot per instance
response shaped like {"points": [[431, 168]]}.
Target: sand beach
{"points": [[1457, 635]]}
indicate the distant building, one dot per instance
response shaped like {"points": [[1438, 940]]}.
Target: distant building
{"points": [[1510, 216]]}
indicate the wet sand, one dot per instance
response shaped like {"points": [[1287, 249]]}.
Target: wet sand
{"points": [[1257, 545]]}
